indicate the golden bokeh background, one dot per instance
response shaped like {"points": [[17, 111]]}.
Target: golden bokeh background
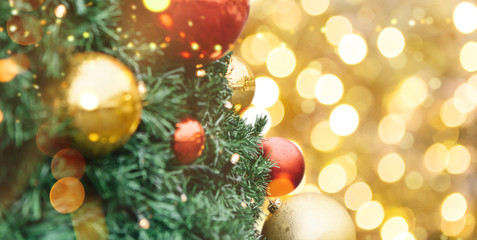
{"points": [[381, 97]]}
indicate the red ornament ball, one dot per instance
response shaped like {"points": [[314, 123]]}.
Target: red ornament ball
{"points": [[189, 140], [196, 30], [290, 165]]}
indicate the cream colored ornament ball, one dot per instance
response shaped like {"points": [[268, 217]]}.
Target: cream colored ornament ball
{"points": [[309, 216], [242, 83], [102, 99]]}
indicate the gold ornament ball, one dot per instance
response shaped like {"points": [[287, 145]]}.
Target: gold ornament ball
{"points": [[242, 83], [103, 101], [309, 216]]}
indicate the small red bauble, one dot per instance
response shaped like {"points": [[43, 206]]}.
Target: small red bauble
{"points": [[198, 30], [189, 140], [290, 165]]}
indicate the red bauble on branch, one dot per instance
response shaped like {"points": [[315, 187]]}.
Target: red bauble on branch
{"points": [[189, 140], [195, 30], [290, 165]]}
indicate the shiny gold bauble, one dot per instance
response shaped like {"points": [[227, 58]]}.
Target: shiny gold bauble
{"points": [[309, 216], [242, 83], [103, 101]]}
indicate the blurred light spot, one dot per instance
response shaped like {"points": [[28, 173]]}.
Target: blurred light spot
{"points": [[67, 195], [436, 157], [315, 7], [465, 17], [251, 114], [370, 215], [352, 49], [310, 188], [460, 159], [361, 98], [266, 92], [336, 28], [440, 182], [255, 48], [13, 66], [89, 221], [468, 56], [349, 165], [344, 120], [453, 207], [450, 115], [391, 129], [322, 138], [453, 228], [281, 62], [435, 83], [412, 93], [25, 29], [277, 112], [393, 227], [328, 89], [306, 81], [286, 15], [404, 236], [144, 223], [414, 180], [391, 42], [307, 106], [391, 167], [60, 11], [1, 116], [156, 5], [68, 163], [89, 101], [332, 178], [466, 95], [357, 194]]}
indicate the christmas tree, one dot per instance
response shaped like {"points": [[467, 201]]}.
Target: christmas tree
{"points": [[110, 129]]}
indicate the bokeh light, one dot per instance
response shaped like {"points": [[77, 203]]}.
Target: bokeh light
{"points": [[391, 129], [25, 29], [468, 56], [465, 98], [266, 92], [332, 178], [450, 115], [68, 163], [281, 62], [344, 120], [315, 7], [391, 167], [1, 116], [60, 11], [465, 17], [306, 81], [329, 89], [352, 49], [357, 194], [156, 5], [287, 14], [370, 215], [322, 138], [437, 157], [460, 159], [336, 28], [67, 195], [277, 112], [453, 207], [393, 227], [13, 66], [255, 48], [391, 42]]}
